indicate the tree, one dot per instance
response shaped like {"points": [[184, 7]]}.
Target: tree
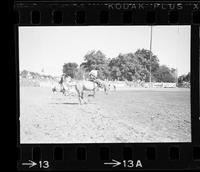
{"points": [[184, 78], [70, 69], [24, 73], [80, 74], [187, 77], [180, 79], [115, 73], [123, 67], [133, 66], [145, 61], [98, 61], [164, 74]]}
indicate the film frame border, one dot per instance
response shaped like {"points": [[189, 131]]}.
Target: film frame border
{"points": [[159, 153], [184, 12]]}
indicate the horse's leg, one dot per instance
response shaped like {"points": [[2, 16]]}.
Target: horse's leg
{"points": [[78, 93], [105, 89], [94, 92], [65, 93], [82, 97]]}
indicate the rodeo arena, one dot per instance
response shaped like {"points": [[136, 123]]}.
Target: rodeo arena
{"points": [[125, 103], [63, 110]]}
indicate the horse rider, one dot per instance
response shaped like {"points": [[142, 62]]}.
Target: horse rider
{"points": [[93, 74], [62, 79], [93, 77]]}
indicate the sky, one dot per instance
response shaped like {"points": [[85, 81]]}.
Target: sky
{"points": [[47, 48]]}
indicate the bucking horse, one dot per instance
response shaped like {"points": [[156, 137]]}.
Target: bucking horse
{"points": [[81, 86]]}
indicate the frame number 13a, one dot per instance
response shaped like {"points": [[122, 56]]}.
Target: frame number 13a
{"points": [[131, 164]]}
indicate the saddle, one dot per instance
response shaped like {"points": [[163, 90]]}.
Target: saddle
{"points": [[98, 82]]}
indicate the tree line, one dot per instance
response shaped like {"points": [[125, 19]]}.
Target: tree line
{"points": [[129, 66], [184, 78]]}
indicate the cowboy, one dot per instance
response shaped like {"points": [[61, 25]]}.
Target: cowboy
{"points": [[61, 79], [93, 77], [68, 79]]}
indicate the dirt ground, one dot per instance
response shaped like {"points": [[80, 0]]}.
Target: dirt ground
{"points": [[124, 116]]}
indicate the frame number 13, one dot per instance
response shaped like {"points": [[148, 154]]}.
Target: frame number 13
{"points": [[44, 164]]}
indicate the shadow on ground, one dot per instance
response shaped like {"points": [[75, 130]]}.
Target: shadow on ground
{"points": [[65, 103]]}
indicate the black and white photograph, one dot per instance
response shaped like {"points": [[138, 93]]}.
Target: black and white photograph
{"points": [[104, 84]]}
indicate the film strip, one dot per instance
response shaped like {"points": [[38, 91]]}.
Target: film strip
{"points": [[125, 155]]}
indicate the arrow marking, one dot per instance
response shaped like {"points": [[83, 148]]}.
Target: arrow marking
{"points": [[114, 163], [30, 164]]}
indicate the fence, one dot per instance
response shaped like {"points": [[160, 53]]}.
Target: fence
{"points": [[25, 82], [119, 84]]}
